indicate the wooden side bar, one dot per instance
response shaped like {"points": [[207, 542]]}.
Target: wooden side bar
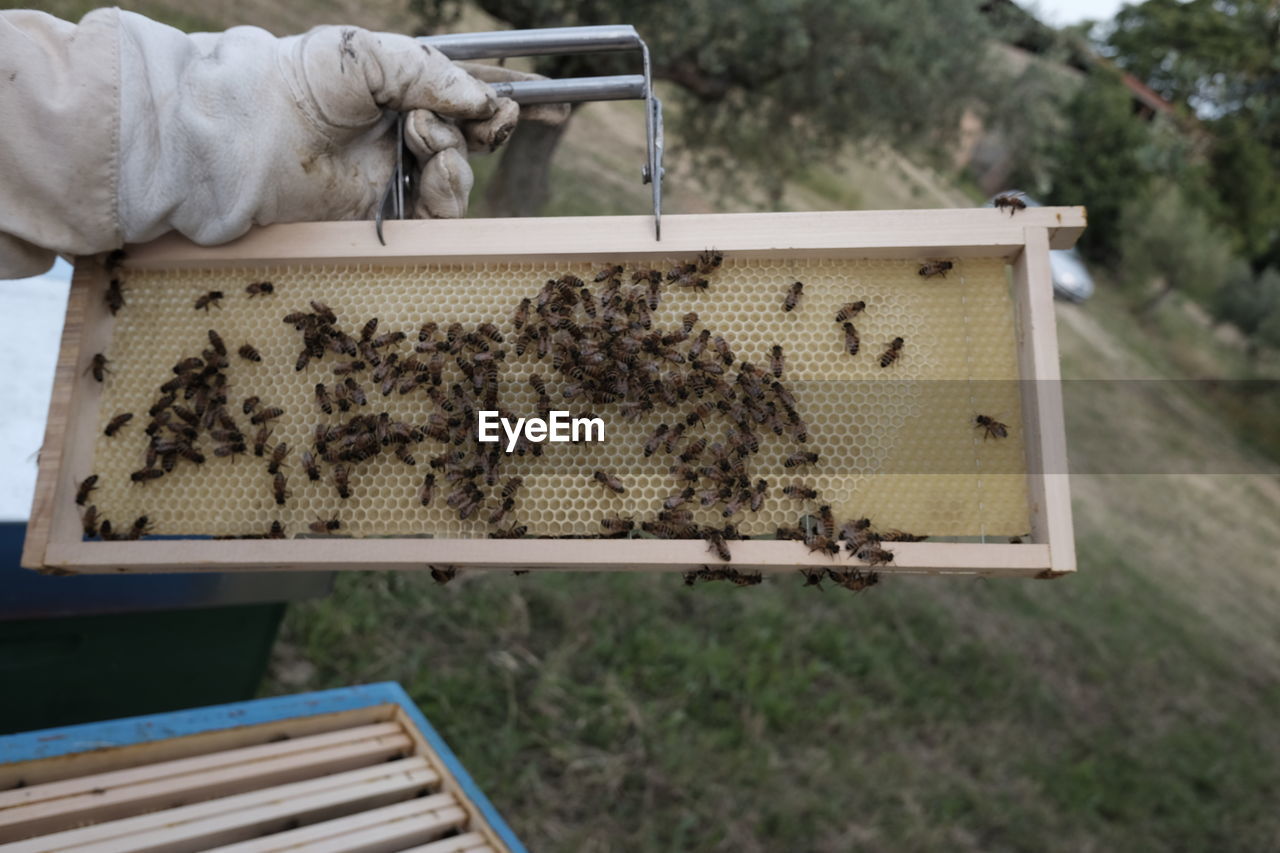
{"points": [[1048, 486]]}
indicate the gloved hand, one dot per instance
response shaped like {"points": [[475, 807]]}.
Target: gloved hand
{"points": [[120, 129]]}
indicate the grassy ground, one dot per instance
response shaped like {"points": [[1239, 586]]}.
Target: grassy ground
{"points": [[1130, 707]]}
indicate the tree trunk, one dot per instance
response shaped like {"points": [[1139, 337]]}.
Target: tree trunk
{"points": [[521, 185]]}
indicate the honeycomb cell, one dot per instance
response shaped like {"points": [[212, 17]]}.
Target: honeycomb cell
{"points": [[897, 444]]}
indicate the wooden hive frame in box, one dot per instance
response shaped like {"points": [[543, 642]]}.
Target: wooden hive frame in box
{"points": [[356, 768], [1022, 240]]}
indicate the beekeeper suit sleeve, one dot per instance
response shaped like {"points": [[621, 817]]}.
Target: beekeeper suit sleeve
{"points": [[118, 129]]}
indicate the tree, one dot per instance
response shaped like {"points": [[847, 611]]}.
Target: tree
{"points": [[1252, 304], [1098, 161], [763, 87], [1218, 59], [1168, 245]]}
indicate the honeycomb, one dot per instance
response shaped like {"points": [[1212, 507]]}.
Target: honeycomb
{"points": [[896, 444]]}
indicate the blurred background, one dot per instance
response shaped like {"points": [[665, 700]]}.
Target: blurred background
{"points": [[1130, 707]]}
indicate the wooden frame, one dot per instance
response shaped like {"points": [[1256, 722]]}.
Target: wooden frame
{"points": [[355, 768], [1023, 239]]}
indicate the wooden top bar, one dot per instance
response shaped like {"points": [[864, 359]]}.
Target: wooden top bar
{"points": [[961, 232]]}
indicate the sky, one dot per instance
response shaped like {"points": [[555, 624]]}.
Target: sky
{"points": [[1061, 13]]}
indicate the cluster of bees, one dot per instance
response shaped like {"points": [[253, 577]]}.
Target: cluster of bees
{"points": [[192, 404], [599, 340]]}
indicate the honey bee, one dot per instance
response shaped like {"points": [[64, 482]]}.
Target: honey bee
{"points": [[851, 340], [854, 580], [403, 454], [693, 451], [260, 440], [230, 449], [366, 333], [775, 361], [710, 260], [114, 296], [500, 513], [991, 427], [792, 300], [521, 316], [388, 339], [266, 415], [90, 522], [141, 527], [249, 353], [113, 425], [828, 522], [428, 490], [795, 460], [278, 488], [612, 271], [850, 309], [276, 531], [692, 282], [342, 480], [146, 475], [609, 481], [105, 533], [717, 545], [87, 485], [260, 288], [901, 536], [615, 526], [891, 354], [342, 368], [321, 525], [679, 499], [324, 311], [800, 491], [651, 446], [356, 392], [722, 348], [251, 403], [512, 485], [874, 555], [213, 297], [1013, 201], [98, 367], [323, 399], [277, 458], [745, 578], [813, 576], [309, 465], [443, 575], [215, 340], [931, 268]]}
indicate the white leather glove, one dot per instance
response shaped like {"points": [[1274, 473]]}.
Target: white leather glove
{"points": [[120, 129]]}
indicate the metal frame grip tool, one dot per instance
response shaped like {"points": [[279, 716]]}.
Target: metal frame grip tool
{"points": [[543, 42]]}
